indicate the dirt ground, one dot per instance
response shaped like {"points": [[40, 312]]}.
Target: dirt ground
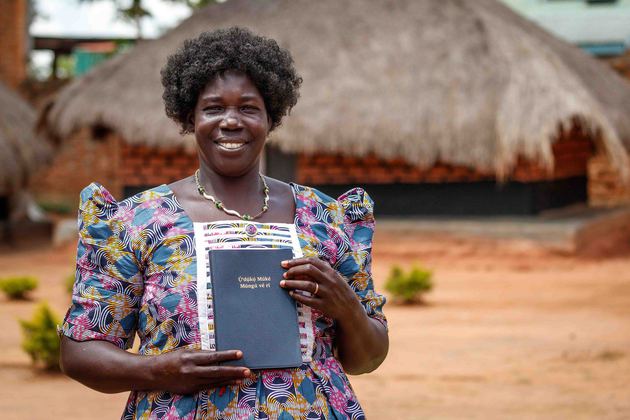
{"points": [[510, 332]]}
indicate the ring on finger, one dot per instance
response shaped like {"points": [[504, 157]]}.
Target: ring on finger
{"points": [[316, 289]]}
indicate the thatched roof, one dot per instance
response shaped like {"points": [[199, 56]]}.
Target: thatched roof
{"points": [[462, 82], [21, 151]]}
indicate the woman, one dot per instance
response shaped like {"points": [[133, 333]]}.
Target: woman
{"points": [[138, 269]]}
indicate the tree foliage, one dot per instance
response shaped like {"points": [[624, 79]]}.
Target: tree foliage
{"points": [[135, 10]]}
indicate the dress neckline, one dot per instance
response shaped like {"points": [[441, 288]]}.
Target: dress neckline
{"points": [[296, 202]]}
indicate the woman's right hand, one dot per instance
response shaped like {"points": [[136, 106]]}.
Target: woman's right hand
{"points": [[105, 367], [187, 371]]}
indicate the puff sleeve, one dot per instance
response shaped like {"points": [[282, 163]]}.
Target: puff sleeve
{"points": [[108, 283], [355, 264]]}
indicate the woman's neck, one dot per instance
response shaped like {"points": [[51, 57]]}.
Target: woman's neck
{"points": [[239, 191]]}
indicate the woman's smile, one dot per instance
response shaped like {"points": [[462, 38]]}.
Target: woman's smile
{"points": [[231, 145]]}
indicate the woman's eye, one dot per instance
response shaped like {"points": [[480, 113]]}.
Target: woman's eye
{"points": [[249, 109], [213, 109]]}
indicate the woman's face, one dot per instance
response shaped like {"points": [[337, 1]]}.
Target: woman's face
{"points": [[231, 124]]}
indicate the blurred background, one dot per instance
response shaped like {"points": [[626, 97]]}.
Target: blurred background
{"points": [[494, 137]]}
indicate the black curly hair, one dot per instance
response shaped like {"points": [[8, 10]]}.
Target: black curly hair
{"points": [[213, 53]]}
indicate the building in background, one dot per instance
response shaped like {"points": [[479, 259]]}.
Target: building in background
{"points": [[435, 106], [600, 27], [75, 56], [22, 152]]}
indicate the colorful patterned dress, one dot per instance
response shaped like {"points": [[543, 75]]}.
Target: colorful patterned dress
{"points": [[137, 273]]}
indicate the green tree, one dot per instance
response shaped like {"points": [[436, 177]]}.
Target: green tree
{"points": [[197, 4], [135, 10]]}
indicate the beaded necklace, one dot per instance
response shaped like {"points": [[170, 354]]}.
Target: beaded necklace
{"points": [[220, 206]]}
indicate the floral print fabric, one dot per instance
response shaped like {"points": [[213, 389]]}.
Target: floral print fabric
{"points": [[136, 273]]}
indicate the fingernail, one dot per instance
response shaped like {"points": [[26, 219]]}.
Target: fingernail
{"points": [[282, 283], [284, 275], [239, 354], [284, 263], [247, 372]]}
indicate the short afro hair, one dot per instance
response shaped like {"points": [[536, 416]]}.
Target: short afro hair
{"points": [[213, 53]]}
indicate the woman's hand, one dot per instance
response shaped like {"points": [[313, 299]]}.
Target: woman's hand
{"points": [[361, 342], [330, 291], [187, 371], [104, 367]]}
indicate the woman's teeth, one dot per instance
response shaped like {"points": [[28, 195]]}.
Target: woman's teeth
{"points": [[230, 145]]}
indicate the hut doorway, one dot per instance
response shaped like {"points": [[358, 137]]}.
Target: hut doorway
{"points": [[4, 209], [482, 198]]}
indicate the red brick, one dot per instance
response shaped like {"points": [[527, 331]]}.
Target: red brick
{"points": [[349, 160], [71, 169]]}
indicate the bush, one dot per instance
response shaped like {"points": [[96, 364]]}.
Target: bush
{"points": [[41, 341], [57, 207], [409, 287], [16, 287]]}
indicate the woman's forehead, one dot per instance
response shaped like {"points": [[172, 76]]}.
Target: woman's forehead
{"points": [[233, 82]]}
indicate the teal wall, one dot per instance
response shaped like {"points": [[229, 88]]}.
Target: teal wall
{"points": [[85, 60]]}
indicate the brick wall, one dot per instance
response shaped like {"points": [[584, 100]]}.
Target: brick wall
{"points": [[13, 41], [571, 153], [116, 164], [144, 166], [321, 169], [605, 186], [79, 161], [110, 161]]}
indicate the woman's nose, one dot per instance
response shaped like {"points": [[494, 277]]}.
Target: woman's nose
{"points": [[230, 120]]}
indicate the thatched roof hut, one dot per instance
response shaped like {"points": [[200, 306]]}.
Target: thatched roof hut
{"points": [[466, 83], [21, 151]]}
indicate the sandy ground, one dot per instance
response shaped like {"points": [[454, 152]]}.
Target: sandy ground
{"points": [[510, 332]]}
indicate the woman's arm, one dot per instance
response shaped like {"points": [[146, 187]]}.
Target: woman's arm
{"points": [[105, 367], [362, 342]]}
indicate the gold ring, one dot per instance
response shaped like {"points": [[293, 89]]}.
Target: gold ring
{"points": [[316, 289]]}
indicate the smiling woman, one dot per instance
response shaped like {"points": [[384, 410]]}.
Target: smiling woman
{"points": [[231, 125], [142, 264]]}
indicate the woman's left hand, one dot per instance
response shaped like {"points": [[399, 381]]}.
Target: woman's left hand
{"points": [[331, 293]]}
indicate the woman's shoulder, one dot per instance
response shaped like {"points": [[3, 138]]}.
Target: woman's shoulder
{"points": [[353, 205], [97, 193], [98, 204]]}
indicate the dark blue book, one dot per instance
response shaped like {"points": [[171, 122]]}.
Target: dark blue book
{"points": [[252, 313]]}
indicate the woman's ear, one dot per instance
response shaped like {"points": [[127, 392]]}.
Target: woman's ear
{"points": [[190, 122]]}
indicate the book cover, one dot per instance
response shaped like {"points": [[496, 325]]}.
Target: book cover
{"points": [[252, 313]]}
